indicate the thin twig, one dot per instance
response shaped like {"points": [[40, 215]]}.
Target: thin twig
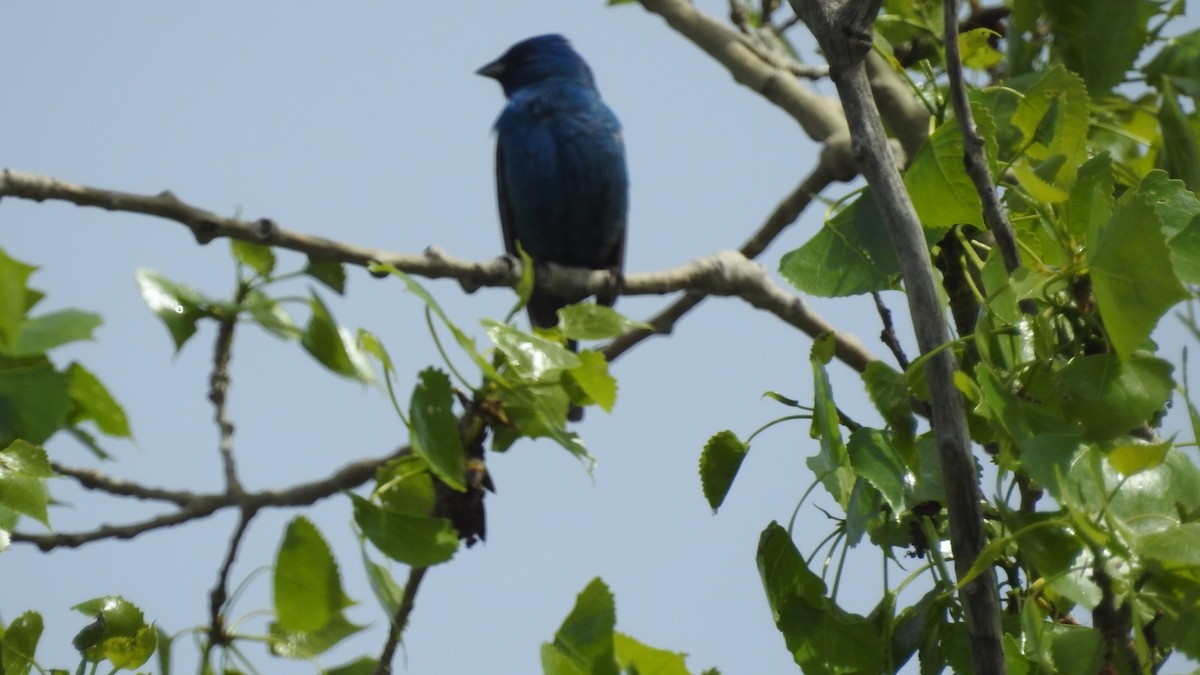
{"points": [[217, 391], [216, 602], [400, 620], [92, 479], [888, 334], [196, 506]]}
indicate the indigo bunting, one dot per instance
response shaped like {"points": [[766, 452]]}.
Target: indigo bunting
{"points": [[561, 180]]}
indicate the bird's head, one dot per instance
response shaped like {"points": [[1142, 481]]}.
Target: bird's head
{"points": [[537, 60]]}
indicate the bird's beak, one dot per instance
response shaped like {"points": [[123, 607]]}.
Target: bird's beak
{"points": [[494, 70]]}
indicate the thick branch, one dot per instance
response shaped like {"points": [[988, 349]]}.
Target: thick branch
{"points": [[844, 30], [820, 116]]}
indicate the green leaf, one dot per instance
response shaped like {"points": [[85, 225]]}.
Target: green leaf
{"points": [[178, 306], [592, 377], [270, 314], [1179, 140], [1174, 548], [942, 192], [888, 390], [406, 486], [635, 657], [308, 645], [589, 321], [719, 464], [536, 412], [1178, 63], [361, 666], [1076, 650], [1134, 457], [975, 47], [43, 333], [1100, 39], [257, 257], [1052, 117], [307, 587], [584, 642], [119, 632], [822, 637], [329, 272], [23, 470], [532, 357], [839, 261], [414, 540], [831, 464], [1134, 284], [434, 431], [20, 639], [1185, 252], [92, 401], [1090, 204], [34, 399], [334, 346], [873, 458], [1147, 502], [13, 295], [1110, 397]]}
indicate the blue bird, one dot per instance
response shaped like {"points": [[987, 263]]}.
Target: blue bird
{"points": [[561, 180]]}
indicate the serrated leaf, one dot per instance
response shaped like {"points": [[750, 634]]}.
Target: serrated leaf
{"points": [[1110, 397], [43, 333], [19, 644], [536, 412], [257, 257], [307, 587], [91, 400], [14, 275], [27, 459], [888, 391], [584, 642], [1052, 116], [414, 540], [119, 632], [589, 321], [328, 272], [719, 464], [850, 255], [1090, 204], [1100, 39], [1178, 63], [334, 346], [1134, 284], [874, 459], [942, 192], [434, 431], [178, 306], [593, 378], [532, 357]]}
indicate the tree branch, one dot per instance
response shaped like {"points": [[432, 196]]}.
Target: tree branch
{"points": [[400, 620], [844, 31], [196, 506]]}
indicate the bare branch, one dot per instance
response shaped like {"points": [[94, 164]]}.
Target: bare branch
{"points": [[219, 593], [194, 506], [92, 479], [820, 116], [974, 160], [218, 388], [400, 620]]}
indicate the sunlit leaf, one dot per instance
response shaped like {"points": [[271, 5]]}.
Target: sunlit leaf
{"points": [[589, 321], [119, 633], [584, 642], [434, 433], [178, 306], [1110, 397], [592, 377], [414, 540], [13, 276], [308, 645], [334, 346], [19, 643], [531, 356], [91, 400], [257, 257], [719, 464], [45, 332], [633, 656], [307, 587]]}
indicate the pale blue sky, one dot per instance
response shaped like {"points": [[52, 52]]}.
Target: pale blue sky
{"points": [[364, 122]]}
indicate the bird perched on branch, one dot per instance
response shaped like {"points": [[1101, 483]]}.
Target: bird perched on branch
{"points": [[561, 180]]}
